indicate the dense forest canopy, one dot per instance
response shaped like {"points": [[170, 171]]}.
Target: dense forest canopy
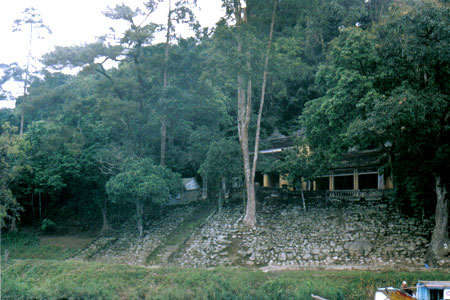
{"points": [[353, 74]]}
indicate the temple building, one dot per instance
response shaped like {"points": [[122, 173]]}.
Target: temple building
{"points": [[358, 174]]}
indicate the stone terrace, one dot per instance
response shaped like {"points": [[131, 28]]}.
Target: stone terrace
{"points": [[333, 235], [339, 234]]}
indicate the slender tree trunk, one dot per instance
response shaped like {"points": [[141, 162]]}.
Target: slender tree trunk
{"points": [[263, 90], [250, 213], [25, 85], [440, 243], [165, 84], [205, 187], [105, 226], [303, 199], [13, 226], [166, 50], [222, 193], [225, 190], [163, 142], [388, 150], [32, 203], [22, 119], [244, 114], [40, 205], [140, 218]]}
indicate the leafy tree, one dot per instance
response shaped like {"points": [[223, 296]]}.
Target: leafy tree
{"points": [[386, 88], [423, 100], [141, 183], [7, 115], [9, 207], [220, 166], [49, 167], [181, 14], [32, 18]]}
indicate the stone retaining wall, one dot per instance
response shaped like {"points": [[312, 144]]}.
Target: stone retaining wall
{"points": [[371, 234]]}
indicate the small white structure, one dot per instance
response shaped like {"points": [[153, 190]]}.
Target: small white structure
{"points": [[190, 193], [190, 184]]}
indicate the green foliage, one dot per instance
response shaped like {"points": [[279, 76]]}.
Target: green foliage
{"points": [[9, 206], [386, 86], [223, 161], [141, 180], [360, 73], [144, 184], [48, 225]]}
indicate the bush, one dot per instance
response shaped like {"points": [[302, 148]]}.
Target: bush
{"points": [[48, 225]]}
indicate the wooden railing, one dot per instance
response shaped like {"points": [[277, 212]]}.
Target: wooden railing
{"points": [[264, 194], [348, 195], [354, 195]]}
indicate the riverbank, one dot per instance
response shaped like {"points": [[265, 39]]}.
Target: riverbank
{"points": [[47, 279]]}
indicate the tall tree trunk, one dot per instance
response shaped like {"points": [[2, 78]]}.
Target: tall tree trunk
{"points": [[22, 119], [163, 142], [140, 218], [25, 94], [25, 85], [250, 213], [13, 226], [40, 206], [165, 85], [263, 89], [205, 187], [440, 243], [32, 203], [244, 114], [222, 193], [105, 226], [391, 162]]}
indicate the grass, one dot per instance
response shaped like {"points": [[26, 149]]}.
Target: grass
{"points": [[45, 279], [31, 245]]}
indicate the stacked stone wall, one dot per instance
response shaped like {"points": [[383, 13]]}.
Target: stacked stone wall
{"points": [[359, 234]]}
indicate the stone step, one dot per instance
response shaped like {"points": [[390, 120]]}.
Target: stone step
{"points": [[178, 238]]}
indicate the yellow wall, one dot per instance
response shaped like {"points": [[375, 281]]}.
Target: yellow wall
{"points": [[283, 181], [304, 185], [388, 184]]}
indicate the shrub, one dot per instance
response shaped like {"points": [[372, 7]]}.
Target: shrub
{"points": [[48, 225]]}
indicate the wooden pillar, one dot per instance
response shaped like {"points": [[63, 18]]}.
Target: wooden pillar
{"points": [[380, 181], [266, 180], [355, 180], [205, 188], [314, 186], [331, 182]]}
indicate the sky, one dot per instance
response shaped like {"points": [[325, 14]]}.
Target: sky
{"points": [[74, 22]]}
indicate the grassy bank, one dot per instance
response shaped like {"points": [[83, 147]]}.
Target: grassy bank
{"points": [[45, 279], [32, 245]]}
